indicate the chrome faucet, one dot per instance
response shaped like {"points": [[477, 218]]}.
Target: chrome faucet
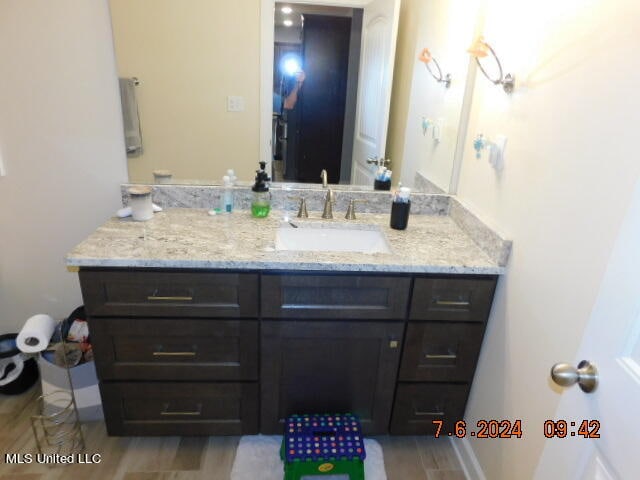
{"points": [[323, 176], [329, 200]]}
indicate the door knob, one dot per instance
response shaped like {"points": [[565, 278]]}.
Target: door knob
{"points": [[566, 375]]}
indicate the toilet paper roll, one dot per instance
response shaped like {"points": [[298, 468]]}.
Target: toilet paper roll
{"points": [[36, 333]]}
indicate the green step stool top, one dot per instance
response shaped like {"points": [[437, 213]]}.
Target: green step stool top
{"points": [[323, 447]]}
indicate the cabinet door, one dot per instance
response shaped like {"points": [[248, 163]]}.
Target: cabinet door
{"points": [[329, 367]]}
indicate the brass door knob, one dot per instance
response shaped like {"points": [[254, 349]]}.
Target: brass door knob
{"points": [[566, 375]]}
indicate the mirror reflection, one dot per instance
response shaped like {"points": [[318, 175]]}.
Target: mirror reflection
{"points": [[193, 79], [316, 55]]}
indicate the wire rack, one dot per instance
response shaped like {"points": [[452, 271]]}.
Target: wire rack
{"points": [[57, 428]]}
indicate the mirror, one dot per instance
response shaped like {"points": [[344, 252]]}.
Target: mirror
{"points": [[316, 61], [198, 81]]}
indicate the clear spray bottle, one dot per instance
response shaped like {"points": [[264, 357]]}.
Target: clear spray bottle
{"points": [[226, 204]]}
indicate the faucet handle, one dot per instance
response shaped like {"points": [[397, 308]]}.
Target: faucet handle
{"points": [[351, 211], [302, 209], [302, 206], [380, 162]]}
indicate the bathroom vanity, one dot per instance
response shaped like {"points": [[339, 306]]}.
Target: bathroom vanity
{"points": [[202, 330]]}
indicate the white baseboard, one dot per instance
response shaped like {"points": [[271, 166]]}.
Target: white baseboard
{"points": [[466, 457]]}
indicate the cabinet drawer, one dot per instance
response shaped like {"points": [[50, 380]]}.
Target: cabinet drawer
{"points": [[180, 408], [417, 405], [334, 296], [175, 349], [454, 299], [439, 351], [169, 294]]}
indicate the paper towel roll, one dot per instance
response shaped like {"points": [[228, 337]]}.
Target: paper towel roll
{"points": [[36, 333]]}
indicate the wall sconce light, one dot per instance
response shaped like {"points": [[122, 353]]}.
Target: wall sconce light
{"points": [[481, 49], [426, 58]]}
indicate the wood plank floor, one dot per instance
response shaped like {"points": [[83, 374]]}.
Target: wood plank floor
{"points": [[187, 458]]}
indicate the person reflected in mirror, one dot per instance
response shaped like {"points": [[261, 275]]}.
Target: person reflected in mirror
{"points": [[288, 102]]}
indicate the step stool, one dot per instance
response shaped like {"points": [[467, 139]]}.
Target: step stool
{"points": [[323, 447]]}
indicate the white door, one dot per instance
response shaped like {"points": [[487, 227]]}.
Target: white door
{"points": [[379, 31], [612, 342]]}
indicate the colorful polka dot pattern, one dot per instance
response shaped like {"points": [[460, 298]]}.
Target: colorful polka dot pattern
{"points": [[321, 437]]}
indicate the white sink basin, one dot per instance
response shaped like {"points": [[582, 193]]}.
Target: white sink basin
{"points": [[333, 238]]}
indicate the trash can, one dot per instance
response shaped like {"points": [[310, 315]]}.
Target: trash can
{"points": [[83, 376], [85, 385], [18, 372]]}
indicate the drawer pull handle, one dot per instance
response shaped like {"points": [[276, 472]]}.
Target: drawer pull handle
{"points": [[440, 357], [452, 303], [195, 413], [429, 414], [174, 354], [153, 298]]}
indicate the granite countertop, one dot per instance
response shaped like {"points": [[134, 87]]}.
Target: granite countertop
{"points": [[190, 238]]}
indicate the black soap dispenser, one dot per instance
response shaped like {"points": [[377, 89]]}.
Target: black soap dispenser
{"points": [[400, 209], [261, 201]]}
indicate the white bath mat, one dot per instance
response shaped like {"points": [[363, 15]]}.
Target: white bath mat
{"points": [[258, 457]]}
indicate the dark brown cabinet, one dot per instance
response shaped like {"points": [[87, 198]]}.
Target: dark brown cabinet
{"points": [[343, 296], [200, 352], [440, 351], [447, 321], [452, 298], [149, 408], [329, 366], [149, 293], [175, 349], [417, 405]]}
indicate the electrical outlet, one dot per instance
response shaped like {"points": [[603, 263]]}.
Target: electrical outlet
{"points": [[235, 104]]}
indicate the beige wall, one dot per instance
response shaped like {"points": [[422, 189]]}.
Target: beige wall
{"points": [[447, 29], [61, 140], [190, 56], [410, 13], [571, 166]]}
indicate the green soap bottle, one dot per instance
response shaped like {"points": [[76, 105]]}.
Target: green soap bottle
{"points": [[261, 201]]}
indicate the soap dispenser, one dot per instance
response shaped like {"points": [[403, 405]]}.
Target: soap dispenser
{"points": [[261, 201], [400, 208]]}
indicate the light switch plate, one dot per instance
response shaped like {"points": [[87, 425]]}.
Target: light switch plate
{"points": [[235, 104]]}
